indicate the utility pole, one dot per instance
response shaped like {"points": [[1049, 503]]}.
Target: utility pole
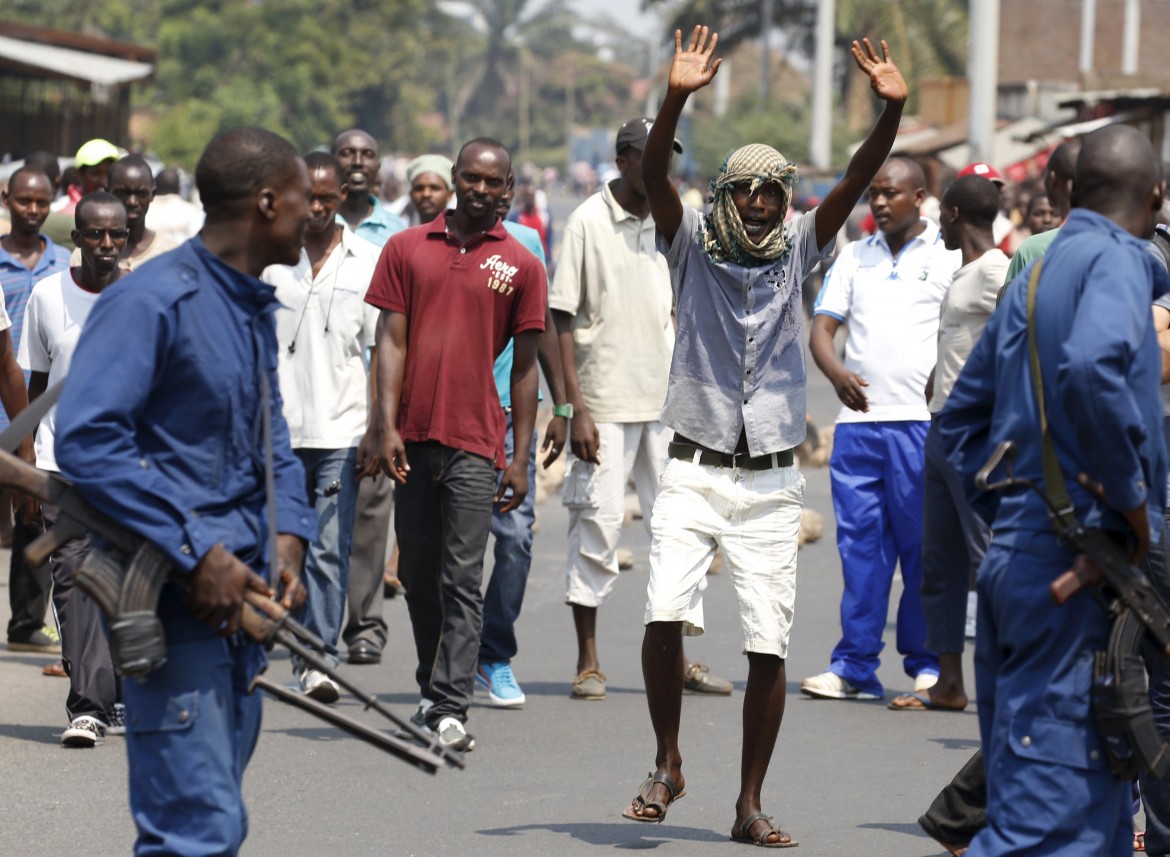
{"points": [[983, 78], [1130, 36], [1088, 26], [570, 111], [766, 16], [820, 143]]}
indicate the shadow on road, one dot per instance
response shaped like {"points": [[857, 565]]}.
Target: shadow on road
{"points": [[631, 836], [909, 828], [37, 734], [971, 744]]}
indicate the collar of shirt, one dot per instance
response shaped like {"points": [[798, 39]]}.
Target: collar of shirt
{"points": [[438, 228], [48, 256], [929, 235], [379, 216], [617, 212], [244, 288]]}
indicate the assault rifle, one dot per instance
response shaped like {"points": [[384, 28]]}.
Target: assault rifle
{"points": [[1121, 703], [126, 577]]}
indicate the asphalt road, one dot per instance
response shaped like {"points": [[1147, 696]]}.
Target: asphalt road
{"points": [[550, 778]]}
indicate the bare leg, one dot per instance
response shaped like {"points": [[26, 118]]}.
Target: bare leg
{"points": [[662, 670], [949, 691], [763, 709], [585, 620]]}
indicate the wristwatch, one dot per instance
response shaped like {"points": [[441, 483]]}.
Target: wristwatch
{"points": [[565, 410]]}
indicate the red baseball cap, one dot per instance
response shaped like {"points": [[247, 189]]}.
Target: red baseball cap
{"points": [[986, 170]]}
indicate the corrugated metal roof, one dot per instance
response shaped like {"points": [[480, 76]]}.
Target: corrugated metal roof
{"points": [[74, 65]]}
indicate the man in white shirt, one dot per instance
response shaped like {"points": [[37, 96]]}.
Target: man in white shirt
{"points": [[954, 538], [54, 316], [888, 289], [169, 215], [611, 300], [323, 328]]}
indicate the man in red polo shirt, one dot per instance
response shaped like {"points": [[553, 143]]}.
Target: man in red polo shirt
{"points": [[452, 293]]}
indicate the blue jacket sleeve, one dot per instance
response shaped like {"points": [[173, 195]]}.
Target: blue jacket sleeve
{"points": [[109, 383], [1112, 324], [964, 425]]}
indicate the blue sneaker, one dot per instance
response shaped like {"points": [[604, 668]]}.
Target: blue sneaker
{"points": [[500, 684]]}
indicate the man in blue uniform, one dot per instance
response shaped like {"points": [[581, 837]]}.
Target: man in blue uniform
{"points": [[1050, 790], [160, 427]]}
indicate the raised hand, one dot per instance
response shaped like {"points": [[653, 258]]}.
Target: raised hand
{"points": [[884, 76], [694, 68]]}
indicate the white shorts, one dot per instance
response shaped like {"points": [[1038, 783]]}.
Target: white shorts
{"points": [[754, 517], [595, 495]]}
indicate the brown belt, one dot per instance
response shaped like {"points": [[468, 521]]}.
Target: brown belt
{"points": [[740, 460]]}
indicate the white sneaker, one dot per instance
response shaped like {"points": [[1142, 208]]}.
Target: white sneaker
{"points": [[925, 682], [316, 685], [84, 731], [829, 685], [453, 736]]}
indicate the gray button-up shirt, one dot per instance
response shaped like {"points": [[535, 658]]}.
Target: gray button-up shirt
{"points": [[738, 360]]}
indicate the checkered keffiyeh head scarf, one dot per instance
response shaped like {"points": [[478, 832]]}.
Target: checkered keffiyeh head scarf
{"points": [[725, 239]]}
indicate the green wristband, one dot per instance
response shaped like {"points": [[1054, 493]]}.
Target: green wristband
{"points": [[565, 410]]}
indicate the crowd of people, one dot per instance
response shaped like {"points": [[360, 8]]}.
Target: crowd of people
{"points": [[322, 379]]}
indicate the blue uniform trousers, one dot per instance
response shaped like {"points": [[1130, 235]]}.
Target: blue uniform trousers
{"points": [[1050, 790], [190, 731], [877, 477]]}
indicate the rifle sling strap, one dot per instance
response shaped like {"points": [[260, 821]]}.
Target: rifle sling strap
{"points": [[1063, 519]]}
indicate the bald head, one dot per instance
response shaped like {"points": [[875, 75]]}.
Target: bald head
{"points": [[906, 170], [1060, 174], [1119, 176]]}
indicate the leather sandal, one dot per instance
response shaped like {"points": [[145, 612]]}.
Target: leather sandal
{"points": [[739, 833], [642, 800]]}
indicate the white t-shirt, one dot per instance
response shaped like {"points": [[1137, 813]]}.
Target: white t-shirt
{"points": [[964, 312], [891, 306], [56, 311], [329, 325], [611, 278]]}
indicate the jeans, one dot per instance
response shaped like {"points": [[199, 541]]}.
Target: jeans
{"points": [[954, 540], [191, 727], [513, 558], [442, 518], [876, 471], [326, 575]]}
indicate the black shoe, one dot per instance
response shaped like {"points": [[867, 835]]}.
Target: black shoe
{"points": [[43, 642], [364, 653]]}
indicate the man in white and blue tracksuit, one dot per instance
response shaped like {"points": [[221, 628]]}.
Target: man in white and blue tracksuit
{"points": [[887, 289]]}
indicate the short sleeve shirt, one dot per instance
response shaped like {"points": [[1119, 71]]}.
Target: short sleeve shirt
{"points": [[55, 314], [965, 308], [615, 284], [462, 304], [891, 305], [323, 327], [738, 363]]}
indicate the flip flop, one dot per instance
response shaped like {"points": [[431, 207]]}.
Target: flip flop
{"points": [[643, 795], [760, 841], [919, 702], [55, 670]]}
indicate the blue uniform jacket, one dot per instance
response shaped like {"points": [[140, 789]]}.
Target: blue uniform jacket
{"points": [[159, 424], [1102, 371]]}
